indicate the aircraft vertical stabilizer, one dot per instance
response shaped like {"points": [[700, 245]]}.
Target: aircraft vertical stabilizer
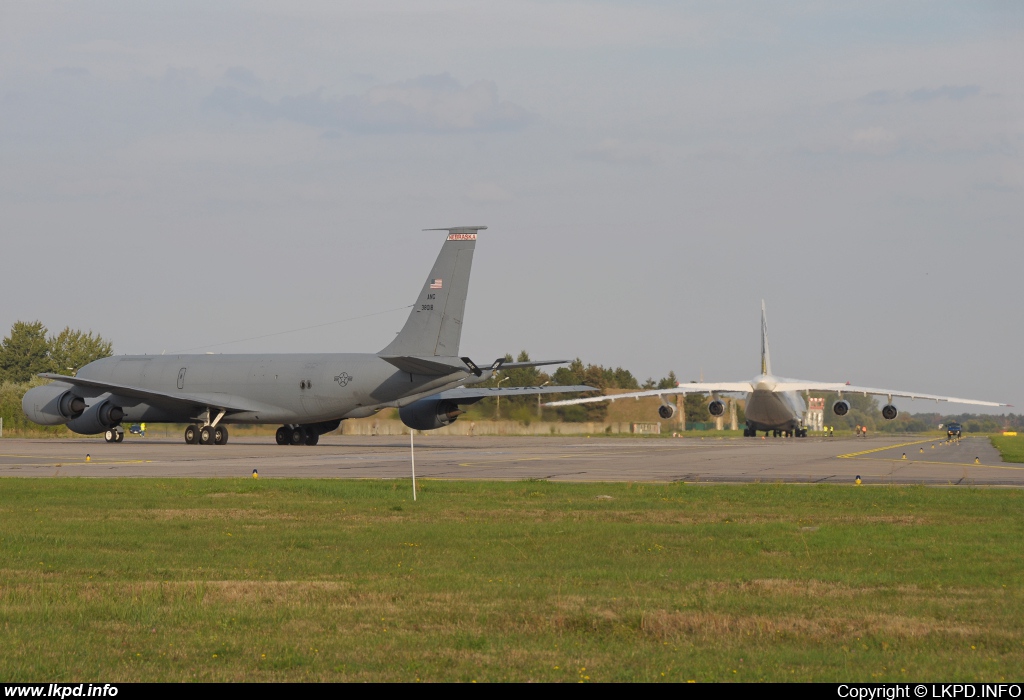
{"points": [[435, 325], [766, 359]]}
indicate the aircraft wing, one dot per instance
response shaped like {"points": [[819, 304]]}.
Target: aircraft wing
{"points": [[692, 388], [850, 389], [472, 395], [227, 402]]}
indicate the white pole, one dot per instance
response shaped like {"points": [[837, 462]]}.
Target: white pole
{"points": [[412, 456]]}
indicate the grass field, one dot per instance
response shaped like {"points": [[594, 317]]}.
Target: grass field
{"points": [[1011, 447], [350, 580]]}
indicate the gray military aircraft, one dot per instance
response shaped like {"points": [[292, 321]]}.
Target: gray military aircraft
{"points": [[419, 373], [773, 403]]}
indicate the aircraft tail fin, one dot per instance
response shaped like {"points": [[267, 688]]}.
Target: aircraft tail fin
{"points": [[766, 359], [435, 325]]}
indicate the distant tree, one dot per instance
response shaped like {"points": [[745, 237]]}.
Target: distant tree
{"points": [[595, 376], [696, 408], [669, 382], [24, 353], [72, 350], [864, 411]]}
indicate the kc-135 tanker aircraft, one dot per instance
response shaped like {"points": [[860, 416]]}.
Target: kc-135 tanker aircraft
{"points": [[773, 403], [420, 373]]}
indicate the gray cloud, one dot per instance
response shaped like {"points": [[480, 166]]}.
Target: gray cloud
{"points": [[71, 72], [242, 76], [616, 152], [948, 92], [427, 104]]}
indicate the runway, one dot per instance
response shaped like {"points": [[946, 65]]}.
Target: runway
{"points": [[877, 460]]}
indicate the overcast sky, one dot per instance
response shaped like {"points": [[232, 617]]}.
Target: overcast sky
{"points": [[184, 174]]}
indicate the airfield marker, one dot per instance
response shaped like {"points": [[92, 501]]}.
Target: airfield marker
{"points": [[412, 458]]}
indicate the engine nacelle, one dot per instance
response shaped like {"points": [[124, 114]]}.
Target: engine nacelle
{"points": [[841, 408], [52, 404], [716, 408], [666, 411], [889, 412], [429, 414], [99, 417]]}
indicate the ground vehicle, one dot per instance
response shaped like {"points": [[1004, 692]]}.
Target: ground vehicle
{"points": [[953, 431]]}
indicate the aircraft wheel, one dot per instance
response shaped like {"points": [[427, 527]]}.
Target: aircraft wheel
{"points": [[312, 438], [298, 436], [283, 435], [118, 436], [191, 435], [220, 435], [206, 435], [110, 436]]}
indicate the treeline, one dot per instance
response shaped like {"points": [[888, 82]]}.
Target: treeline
{"points": [[30, 350], [526, 408]]}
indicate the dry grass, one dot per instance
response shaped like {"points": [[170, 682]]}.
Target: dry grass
{"points": [[339, 580]]}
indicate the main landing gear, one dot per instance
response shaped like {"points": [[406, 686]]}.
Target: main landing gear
{"points": [[296, 435], [206, 435], [114, 435], [798, 432]]}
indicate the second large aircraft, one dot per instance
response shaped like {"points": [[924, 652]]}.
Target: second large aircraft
{"points": [[773, 404]]}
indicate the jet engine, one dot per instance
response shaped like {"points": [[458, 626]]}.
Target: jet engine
{"points": [[841, 408], [889, 412], [429, 414], [99, 417], [666, 411], [52, 404], [716, 408]]}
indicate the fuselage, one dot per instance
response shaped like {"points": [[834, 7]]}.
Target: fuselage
{"points": [[279, 388], [768, 409]]}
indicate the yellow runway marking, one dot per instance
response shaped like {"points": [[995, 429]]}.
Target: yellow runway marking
{"points": [[883, 449], [46, 461], [925, 462], [565, 456], [858, 455]]}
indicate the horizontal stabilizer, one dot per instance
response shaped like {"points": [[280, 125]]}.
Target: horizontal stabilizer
{"points": [[426, 366], [533, 363]]}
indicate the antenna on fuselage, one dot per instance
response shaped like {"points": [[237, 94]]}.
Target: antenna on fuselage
{"points": [[766, 360]]}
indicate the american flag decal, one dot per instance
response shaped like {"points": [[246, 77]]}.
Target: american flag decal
{"points": [[435, 284]]}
